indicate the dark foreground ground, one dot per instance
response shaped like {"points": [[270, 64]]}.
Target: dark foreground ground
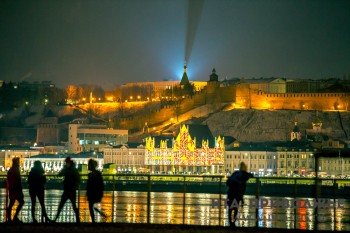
{"points": [[132, 228]]}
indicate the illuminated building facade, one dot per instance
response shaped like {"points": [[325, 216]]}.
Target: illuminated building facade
{"points": [[269, 85], [335, 167], [129, 158], [85, 138], [184, 154], [6, 155], [295, 161], [260, 161], [153, 90], [299, 158], [55, 162], [290, 158]]}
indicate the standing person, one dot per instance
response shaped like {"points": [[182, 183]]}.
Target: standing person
{"points": [[36, 181], [14, 187], [236, 188], [70, 186], [94, 188]]}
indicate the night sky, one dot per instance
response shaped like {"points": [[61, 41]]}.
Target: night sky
{"points": [[109, 43]]}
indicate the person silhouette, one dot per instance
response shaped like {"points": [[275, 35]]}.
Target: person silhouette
{"points": [[15, 191], [36, 182], [236, 184], [94, 189], [71, 183]]}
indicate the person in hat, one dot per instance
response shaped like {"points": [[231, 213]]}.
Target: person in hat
{"points": [[71, 183], [15, 191]]}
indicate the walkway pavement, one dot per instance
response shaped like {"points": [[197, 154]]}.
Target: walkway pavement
{"points": [[131, 228]]}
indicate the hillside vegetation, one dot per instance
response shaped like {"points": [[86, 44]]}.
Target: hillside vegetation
{"points": [[263, 125]]}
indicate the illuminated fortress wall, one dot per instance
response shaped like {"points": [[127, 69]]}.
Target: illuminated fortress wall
{"points": [[221, 95], [299, 101], [139, 121], [244, 97]]}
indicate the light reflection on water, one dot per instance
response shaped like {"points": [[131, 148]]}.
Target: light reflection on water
{"points": [[194, 209]]}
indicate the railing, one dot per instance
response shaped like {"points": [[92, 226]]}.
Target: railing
{"points": [[201, 200]]}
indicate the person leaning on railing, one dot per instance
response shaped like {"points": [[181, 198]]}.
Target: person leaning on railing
{"points": [[236, 184]]}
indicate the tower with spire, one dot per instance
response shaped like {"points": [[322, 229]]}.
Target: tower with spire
{"points": [[213, 82], [213, 77], [184, 79], [187, 88]]}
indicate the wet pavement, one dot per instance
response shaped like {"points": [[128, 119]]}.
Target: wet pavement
{"points": [[130, 228]]}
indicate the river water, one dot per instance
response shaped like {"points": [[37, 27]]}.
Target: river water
{"points": [[195, 209]]}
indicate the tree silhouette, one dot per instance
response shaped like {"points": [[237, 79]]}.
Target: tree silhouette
{"points": [[71, 93]]}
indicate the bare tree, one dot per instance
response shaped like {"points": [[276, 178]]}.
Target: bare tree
{"points": [[71, 93], [80, 93]]}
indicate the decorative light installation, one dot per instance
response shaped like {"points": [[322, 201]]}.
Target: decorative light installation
{"points": [[184, 151]]}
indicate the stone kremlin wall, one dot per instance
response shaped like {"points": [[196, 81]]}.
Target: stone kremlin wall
{"points": [[300, 101], [243, 98], [221, 95]]}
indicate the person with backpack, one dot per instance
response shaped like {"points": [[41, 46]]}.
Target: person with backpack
{"points": [[70, 186], [236, 184], [94, 189]]}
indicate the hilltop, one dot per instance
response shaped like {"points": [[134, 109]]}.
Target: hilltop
{"points": [[251, 125], [264, 125], [245, 125]]}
